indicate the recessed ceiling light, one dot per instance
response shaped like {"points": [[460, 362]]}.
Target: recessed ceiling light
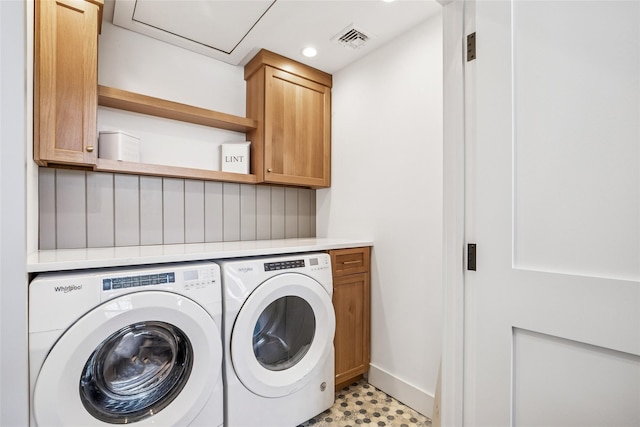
{"points": [[309, 52]]}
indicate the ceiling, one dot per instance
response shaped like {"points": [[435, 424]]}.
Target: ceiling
{"points": [[233, 31]]}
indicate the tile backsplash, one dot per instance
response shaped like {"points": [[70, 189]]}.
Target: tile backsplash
{"points": [[79, 209]]}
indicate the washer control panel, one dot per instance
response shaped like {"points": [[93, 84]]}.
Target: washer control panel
{"points": [[135, 281], [184, 278], [199, 278]]}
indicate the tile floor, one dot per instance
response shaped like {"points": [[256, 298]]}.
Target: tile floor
{"points": [[363, 404]]}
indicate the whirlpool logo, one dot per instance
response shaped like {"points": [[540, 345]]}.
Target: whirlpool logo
{"points": [[245, 269], [67, 289]]}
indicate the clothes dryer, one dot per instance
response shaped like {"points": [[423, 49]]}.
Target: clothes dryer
{"points": [[137, 345], [278, 334]]}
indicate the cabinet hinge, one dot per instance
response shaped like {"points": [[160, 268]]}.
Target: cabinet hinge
{"points": [[471, 257], [471, 47]]}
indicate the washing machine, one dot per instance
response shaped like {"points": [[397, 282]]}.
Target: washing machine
{"points": [[279, 325], [136, 345]]}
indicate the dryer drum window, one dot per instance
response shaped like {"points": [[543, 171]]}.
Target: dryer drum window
{"points": [[136, 372], [283, 333]]}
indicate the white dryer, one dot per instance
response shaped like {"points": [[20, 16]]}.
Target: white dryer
{"points": [[279, 326], [137, 345]]}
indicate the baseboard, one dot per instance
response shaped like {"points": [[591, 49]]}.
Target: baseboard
{"points": [[406, 393]]}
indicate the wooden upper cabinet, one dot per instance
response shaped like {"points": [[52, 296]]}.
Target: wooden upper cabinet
{"points": [[292, 103], [66, 81]]}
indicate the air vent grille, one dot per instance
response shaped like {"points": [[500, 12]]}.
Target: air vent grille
{"points": [[351, 37]]}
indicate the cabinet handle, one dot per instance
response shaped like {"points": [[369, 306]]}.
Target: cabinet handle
{"points": [[90, 148], [269, 170], [351, 262]]}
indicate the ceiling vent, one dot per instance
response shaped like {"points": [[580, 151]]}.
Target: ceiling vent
{"points": [[351, 37]]}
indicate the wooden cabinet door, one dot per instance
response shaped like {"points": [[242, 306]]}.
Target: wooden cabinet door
{"points": [[351, 304], [297, 130], [66, 81]]}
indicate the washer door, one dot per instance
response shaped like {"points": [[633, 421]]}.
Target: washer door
{"points": [[146, 358], [283, 332]]}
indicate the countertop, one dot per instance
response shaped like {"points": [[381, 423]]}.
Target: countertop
{"points": [[75, 259]]}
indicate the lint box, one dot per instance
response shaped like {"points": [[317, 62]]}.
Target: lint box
{"points": [[118, 145], [234, 157]]}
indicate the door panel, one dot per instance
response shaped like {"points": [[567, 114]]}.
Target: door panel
{"points": [[576, 128], [552, 314], [562, 390]]}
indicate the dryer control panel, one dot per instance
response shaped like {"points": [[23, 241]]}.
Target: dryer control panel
{"points": [[283, 265], [311, 263]]}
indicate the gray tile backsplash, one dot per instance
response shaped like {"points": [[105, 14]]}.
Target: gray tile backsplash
{"points": [[71, 222], [126, 196], [193, 211], [81, 209], [100, 210], [150, 210], [173, 209]]}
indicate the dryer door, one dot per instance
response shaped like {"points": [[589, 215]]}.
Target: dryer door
{"points": [[146, 358], [282, 332]]}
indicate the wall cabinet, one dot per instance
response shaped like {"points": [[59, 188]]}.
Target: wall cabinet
{"points": [[352, 304], [66, 81], [292, 104]]}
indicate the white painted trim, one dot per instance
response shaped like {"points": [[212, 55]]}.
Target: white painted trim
{"points": [[14, 388], [32, 167], [401, 390], [451, 408]]}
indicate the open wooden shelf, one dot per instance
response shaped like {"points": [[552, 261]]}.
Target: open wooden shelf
{"points": [[106, 165], [143, 104], [137, 103]]}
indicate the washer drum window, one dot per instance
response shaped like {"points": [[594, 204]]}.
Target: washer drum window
{"points": [[136, 372]]}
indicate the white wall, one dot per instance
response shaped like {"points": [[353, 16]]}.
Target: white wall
{"points": [[137, 63], [387, 185], [13, 279]]}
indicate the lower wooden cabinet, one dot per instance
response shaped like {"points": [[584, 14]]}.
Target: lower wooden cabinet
{"points": [[352, 304]]}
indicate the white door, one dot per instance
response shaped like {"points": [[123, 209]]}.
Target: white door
{"points": [[552, 314]]}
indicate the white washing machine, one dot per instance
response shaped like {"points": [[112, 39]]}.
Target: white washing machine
{"points": [[137, 345], [279, 325]]}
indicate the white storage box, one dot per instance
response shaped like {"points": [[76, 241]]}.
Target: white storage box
{"points": [[234, 157], [118, 145]]}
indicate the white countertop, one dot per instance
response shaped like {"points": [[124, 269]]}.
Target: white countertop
{"points": [[75, 259]]}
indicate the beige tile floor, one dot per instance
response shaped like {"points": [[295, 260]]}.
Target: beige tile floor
{"points": [[363, 404]]}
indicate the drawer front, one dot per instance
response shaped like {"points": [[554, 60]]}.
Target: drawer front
{"points": [[350, 261]]}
